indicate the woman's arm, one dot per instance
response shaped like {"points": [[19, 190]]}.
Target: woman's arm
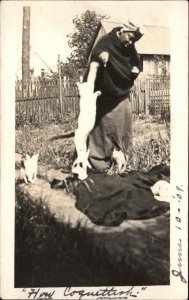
{"points": [[92, 73]]}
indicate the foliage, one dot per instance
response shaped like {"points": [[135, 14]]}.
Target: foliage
{"points": [[160, 61], [80, 40], [71, 70]]}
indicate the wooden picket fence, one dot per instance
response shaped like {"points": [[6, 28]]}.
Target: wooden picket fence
{"points": [[49, 99], [151, 95], [41, 100]]}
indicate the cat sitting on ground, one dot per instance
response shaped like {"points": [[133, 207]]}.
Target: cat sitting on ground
{"points": [[28, 169]]}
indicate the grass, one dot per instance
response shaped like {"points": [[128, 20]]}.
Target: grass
{"points": [[151, 145], [60, 153], [57, 154]]}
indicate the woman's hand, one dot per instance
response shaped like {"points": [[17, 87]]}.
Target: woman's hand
{"points": [[104, 57]]}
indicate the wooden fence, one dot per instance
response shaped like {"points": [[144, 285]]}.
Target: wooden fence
{"points": [[151, 95], [43, 100]]}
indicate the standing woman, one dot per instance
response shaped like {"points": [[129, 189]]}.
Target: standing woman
{"points": [[114, 66]]}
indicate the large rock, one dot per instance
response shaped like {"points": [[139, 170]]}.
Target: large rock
{"points": [[140, 246]]}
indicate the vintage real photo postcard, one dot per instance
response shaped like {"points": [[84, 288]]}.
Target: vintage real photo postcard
{"points": [[94, 150]]}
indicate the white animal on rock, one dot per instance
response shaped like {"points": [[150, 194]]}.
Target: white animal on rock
{"points": [[161, 190], [29, 168], [121, 160], [81, 164]]}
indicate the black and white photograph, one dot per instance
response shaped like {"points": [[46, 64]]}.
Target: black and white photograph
{"points": [[94, 144]]}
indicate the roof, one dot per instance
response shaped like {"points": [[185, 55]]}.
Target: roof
{"points": [[156, 39]]}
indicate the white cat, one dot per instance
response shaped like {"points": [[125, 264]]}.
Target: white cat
{"points": [[161, 190], [120, 159], [29, 168], [86, 122], [87, 115]]}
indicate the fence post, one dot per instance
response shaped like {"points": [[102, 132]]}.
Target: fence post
{"points": [[60, 86], [25, 51], [147, 97]]}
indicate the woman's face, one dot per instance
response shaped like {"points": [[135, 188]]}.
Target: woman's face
{"points": [[126, 37]]}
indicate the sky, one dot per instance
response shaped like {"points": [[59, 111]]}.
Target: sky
{"points": [[51, 22]]}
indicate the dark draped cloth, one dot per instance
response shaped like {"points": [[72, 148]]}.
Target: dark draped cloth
{"points": [[109, 200], [116, 78]]}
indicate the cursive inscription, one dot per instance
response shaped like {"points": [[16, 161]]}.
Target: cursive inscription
{"points": [[100, 294], [178, 198], [178, 273], [103, 293], [38, 294]]}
